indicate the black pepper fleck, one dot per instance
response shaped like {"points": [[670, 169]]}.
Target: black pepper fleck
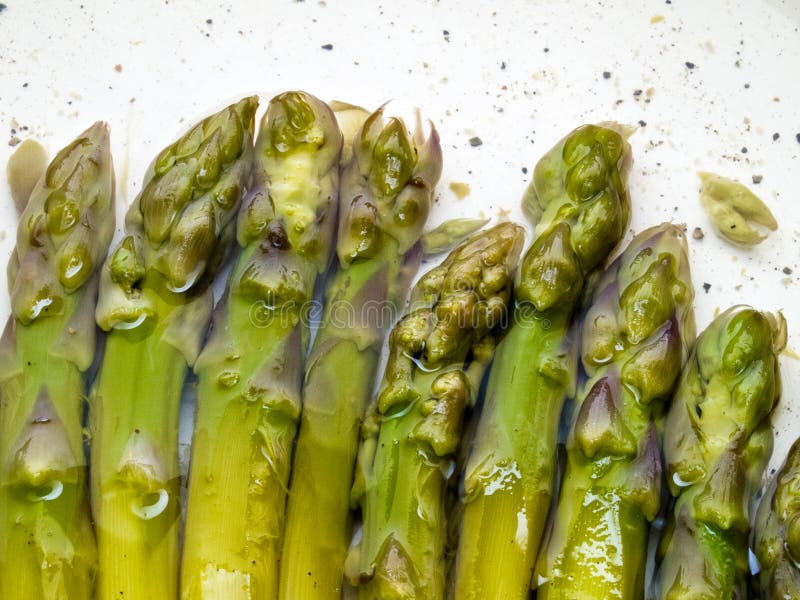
{"points": [[642, 123], [744, 149], [637, 92], [757, 178], [26, 85], [475, 141], [606, 75], [524, 170], [698, 233], [787, 271], [798, 138], [689, 65], [2, 7], [775, 136], [327, 46], [747, 86], [706, 287], [503, 66], [547, 49], [209, 21]]}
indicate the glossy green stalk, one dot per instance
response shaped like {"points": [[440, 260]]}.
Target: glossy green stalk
{"points": [[155, 302], [635, 337], [250, 372], [717, 441], [437, 356], [579, 197], [386, 194], [776, 534], [47, 546]]}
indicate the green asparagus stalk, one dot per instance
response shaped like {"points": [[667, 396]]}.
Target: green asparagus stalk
{"points": [[438, 353], [582, 206], [386, 194], [717, 441], [776, 535], [155, 302], [250, 372], [635, 338], [47, 546]]}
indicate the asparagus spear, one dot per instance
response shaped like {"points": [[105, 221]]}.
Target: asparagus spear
{"points": [[635, 336], [437, 355], [583, 207], [386, 194], [776, 539], [717, 441], [155, 303], [47, 547], [250, 371]]}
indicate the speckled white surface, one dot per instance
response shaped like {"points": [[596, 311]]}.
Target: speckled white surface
{"points": [[715, 85]]}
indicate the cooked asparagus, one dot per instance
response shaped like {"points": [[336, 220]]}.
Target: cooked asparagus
{"points": [[582, 207], [717, 440], [635, 338], [155, 302], [386, 194], [437, 355], [776, 535], [250, 372], [47, 546]]}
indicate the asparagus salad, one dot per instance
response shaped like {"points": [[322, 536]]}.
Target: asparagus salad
{"points": [[531, 417]]}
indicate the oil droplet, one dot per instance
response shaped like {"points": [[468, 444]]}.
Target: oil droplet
{"points": [[228, 379], [124, 325], [500, 478], [149, 506], [49, 491], [676, 479]]}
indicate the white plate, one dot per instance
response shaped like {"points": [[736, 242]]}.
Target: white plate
{"points": [[518, 75]]}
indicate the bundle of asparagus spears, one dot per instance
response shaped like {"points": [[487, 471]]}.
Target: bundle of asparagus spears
{"points": [[307, 481]]}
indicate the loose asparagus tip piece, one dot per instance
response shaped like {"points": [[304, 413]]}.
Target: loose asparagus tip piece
{"points": [[65, 228], [398, 171], [733, 209], [25, 168]]}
